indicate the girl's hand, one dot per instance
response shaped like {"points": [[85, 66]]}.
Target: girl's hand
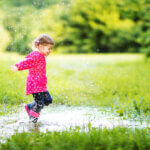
{"points": [[13, 68]]}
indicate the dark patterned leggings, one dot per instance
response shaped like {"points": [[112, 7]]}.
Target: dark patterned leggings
{"points": [[41, 99]]}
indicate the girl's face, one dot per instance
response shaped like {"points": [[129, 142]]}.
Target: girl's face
{"points": [[45, 49]]}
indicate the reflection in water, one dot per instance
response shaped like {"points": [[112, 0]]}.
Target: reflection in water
{"points": [[58, 118]]}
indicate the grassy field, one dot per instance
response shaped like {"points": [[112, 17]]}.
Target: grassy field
{"points": [[119, 81], [95, 139]]}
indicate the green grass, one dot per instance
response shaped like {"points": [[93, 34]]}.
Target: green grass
{"points": [[95, 139], [119, 81]]}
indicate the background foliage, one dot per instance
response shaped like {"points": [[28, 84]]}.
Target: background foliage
{"points": [[99, 26]]}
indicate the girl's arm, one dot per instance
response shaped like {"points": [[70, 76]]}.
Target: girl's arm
{"points": [[13, 68], [27, 63]]}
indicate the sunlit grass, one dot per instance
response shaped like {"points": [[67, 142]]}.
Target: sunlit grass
{"points": [[106, 139], [119, 81]]}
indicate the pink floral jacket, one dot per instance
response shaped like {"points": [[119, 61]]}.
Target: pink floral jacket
{"points": [[36, 80]]}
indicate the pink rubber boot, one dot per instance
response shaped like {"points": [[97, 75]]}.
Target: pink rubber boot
{"points": [[27, 109], [33, 116]]}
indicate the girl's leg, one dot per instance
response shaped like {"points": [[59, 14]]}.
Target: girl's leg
{"points": [[39, 102], [47, 98], [30, 106], [36, 106]]}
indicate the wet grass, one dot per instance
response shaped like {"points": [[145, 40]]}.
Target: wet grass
{"points": [[76, 139], [119, 81]]}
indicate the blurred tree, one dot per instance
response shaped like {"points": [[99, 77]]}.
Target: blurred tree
{"points": [[4, 38], [99, 27], [19, 29], [34, 3], [81, 26]]}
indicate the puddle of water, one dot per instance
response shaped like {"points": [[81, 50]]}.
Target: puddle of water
{"points": [[59, 118]]}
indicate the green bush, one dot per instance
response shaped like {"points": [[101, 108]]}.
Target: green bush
{"points": [[105, 26], [19, 29], [99, 26]]}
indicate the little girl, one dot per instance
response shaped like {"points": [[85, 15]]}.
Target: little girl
{"points": [[36, 83]]}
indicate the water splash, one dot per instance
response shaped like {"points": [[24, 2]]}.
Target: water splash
{"points": [[60, 117]]}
